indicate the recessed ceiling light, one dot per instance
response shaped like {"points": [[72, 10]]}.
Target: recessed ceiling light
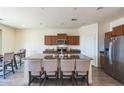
{"points": [[99, 8], [74, 19]]}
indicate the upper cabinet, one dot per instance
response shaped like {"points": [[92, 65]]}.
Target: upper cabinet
{"points": [[54, 40], [50, 40], [71, 40], [108, 34], [76, 40], [118, 30], [47, 40], [62, 36]]}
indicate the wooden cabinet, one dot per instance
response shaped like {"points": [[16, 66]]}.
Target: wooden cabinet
{"points": [[47, 40], [50, 40], [102, 59], [70, 40], [73, 40], [76, 40], [62, 36], [118, 30], [108, 34], [53, 40]]}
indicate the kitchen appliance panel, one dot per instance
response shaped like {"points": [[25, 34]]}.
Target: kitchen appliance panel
{"points": [[118, 59], [108, 67]]}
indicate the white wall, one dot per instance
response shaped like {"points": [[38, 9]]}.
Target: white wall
{"points": [[0, 42], [116, 22], [89, 41], [103, 27], [33, 40], [8, 39]]}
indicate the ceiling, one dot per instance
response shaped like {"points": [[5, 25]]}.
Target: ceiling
{"points": [[57, 17]]}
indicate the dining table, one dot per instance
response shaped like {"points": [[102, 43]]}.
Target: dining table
{"points": [[41, 56]]}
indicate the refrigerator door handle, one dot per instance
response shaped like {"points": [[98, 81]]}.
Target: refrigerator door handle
{"points": [[110, 52]]}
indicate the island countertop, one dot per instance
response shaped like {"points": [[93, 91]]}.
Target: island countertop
{"points": [[41, 56]]}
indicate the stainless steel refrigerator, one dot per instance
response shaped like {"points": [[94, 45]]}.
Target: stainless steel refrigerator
{"points": [[114, 57]]}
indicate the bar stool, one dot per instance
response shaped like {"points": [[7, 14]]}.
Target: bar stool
{"points": [[82, 69], [67, 69], [50, 69], [35, 70]]}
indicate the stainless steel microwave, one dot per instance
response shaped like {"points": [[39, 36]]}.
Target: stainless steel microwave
{"points": [[61, 42]]}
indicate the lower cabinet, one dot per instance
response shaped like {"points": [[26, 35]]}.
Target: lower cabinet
{"points": [[102, 60]]}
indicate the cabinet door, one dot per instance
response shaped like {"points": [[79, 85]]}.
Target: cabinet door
{"points": [[102, 60], [47, 40], [108, 34], [62, 36], [122, 29], [117, 31], [70, 40], [75, 40], [53, 40]]}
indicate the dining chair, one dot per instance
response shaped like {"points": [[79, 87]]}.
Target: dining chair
{"points": [[67, 67], [82, 69], [18, 59], [21, 55], [51, 69], [35, 70], [6, 62]]}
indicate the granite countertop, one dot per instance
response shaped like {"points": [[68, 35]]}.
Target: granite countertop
{"points": [[40, 57], [55, 51]]}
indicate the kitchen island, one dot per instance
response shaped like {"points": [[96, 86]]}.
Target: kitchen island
{"points": [[41, 57]]}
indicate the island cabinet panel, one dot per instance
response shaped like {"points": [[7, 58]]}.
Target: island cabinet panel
{"points": [[50, 40], [76, 40]]}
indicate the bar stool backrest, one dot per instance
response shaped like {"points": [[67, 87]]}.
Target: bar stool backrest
{"points": [[50, 65], [82, 65], [67, 65], [34, 65]]}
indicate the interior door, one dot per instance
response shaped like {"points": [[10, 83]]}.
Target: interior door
{"points": [[119, 59]]}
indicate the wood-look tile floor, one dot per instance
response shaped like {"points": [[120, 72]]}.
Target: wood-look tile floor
{"points": [[99, 79]]}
